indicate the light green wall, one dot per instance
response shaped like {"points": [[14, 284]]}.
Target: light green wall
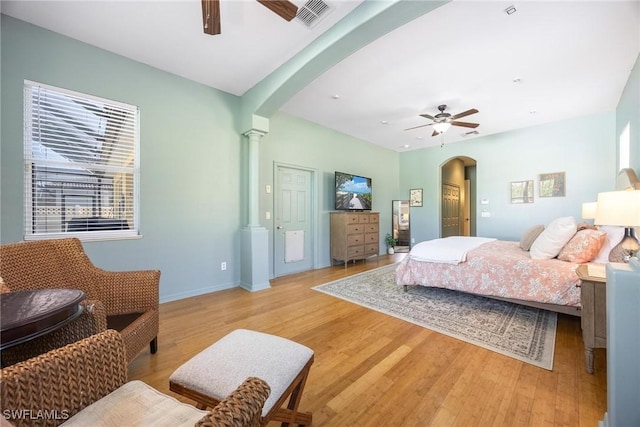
{"points": [[583, 148], [190, 158], [628, 112], [193, 187], [297, 142]]}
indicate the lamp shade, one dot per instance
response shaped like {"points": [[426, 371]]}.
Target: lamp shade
{"points": [[441, 127], [621, 208], [589, 210]]}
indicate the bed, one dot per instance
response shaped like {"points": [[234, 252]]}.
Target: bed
{"points": [[538, 271], [496, 269]]}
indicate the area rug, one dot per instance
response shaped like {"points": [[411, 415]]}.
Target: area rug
{"points": [[524, 333]]}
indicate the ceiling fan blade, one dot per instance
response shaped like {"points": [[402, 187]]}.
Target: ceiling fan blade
{"points": [[465, 124], [211, 16], [464, 114], [427, 116], [435, 133], [285, 9], [421, 126]]}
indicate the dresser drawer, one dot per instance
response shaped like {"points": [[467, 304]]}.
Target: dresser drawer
{"points": [[355, 251], [371, 249], [355, 229], [371, 228], [353, 218], [355, 239], [363, 218], [374, 218], [371, 238]]}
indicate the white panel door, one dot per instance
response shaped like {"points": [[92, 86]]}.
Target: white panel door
{"points": [[293, 236]]}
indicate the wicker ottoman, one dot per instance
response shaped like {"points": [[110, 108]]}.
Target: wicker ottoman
{"points": [[216, 371]]}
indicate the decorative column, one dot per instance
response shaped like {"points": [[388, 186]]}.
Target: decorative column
{"points": [[253, 203], [254, 274]]}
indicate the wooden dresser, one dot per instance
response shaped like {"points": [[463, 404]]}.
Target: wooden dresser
{"points": [[354, 235], [593, 298]]}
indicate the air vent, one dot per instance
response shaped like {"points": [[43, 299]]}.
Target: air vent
{"points": [[313, 12], [473, 132]]}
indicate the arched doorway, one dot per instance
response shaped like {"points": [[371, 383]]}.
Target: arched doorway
{"points": [[458, 197]]}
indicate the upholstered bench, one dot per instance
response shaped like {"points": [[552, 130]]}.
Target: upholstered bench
{"points": [[217, 370]]}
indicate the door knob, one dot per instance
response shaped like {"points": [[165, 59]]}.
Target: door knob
{"points": [[279, 228]]}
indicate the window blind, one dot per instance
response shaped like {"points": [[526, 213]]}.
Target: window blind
{"points": [[81, 163]]}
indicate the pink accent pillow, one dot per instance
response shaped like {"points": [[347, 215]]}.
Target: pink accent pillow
{"points": [[583, 247]]}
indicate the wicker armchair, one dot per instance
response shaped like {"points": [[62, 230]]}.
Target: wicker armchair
{"points": [[129, 299], [92, 321], [82, 384]]}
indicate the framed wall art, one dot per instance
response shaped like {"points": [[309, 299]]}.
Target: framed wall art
{"points": [[415, 197], [552, 184], [522, 191]]}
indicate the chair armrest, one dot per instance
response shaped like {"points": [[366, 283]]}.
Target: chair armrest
{"points": [[125, 292], [93, 320], [63, 381], [242, 408]]}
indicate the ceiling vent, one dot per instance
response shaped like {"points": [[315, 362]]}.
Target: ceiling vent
{"points": [[470, 133], [313, 12]]}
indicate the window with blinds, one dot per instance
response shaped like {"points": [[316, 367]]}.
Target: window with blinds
{"points": [[81, 165]]}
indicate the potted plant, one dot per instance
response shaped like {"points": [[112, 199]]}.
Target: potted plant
{"points": [[390, 242]]}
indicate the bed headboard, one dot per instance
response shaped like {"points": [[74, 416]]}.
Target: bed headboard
{"points": [[627, 180]]}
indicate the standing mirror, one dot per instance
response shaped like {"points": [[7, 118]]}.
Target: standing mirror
{"points": [[400, 225]]}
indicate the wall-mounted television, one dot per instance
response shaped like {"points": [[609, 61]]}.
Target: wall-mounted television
{"points": [[353, 192]]}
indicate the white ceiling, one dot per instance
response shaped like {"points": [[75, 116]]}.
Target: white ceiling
{"points": [[570, 59], [168, 34]]}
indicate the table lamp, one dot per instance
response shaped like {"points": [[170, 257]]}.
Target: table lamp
{"points": [[620, 208], [589, 210]]}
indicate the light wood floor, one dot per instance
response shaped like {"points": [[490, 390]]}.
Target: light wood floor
{"points": [[374, 370]]}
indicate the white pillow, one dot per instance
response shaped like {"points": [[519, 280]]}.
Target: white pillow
{"points": [[614, 236], [551, 241]]}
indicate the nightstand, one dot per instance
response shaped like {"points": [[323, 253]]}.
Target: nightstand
{"points": [[593, 297]]}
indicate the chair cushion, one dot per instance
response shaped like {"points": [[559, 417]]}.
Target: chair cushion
{"points": [[136, 404], [220, 368], [121, 321]]}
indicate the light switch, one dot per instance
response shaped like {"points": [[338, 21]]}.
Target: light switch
{"points": [[267, 215], [485, 214], [267, 188], [484, 201]]}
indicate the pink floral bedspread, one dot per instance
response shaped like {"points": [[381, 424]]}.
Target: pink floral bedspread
{"points": [[498, 268]]}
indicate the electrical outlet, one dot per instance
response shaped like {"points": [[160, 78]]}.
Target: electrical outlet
{"points": [[223, 265]]}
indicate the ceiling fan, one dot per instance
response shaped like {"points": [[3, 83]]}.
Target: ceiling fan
{"points": [[211, 12], [442, 121]]}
